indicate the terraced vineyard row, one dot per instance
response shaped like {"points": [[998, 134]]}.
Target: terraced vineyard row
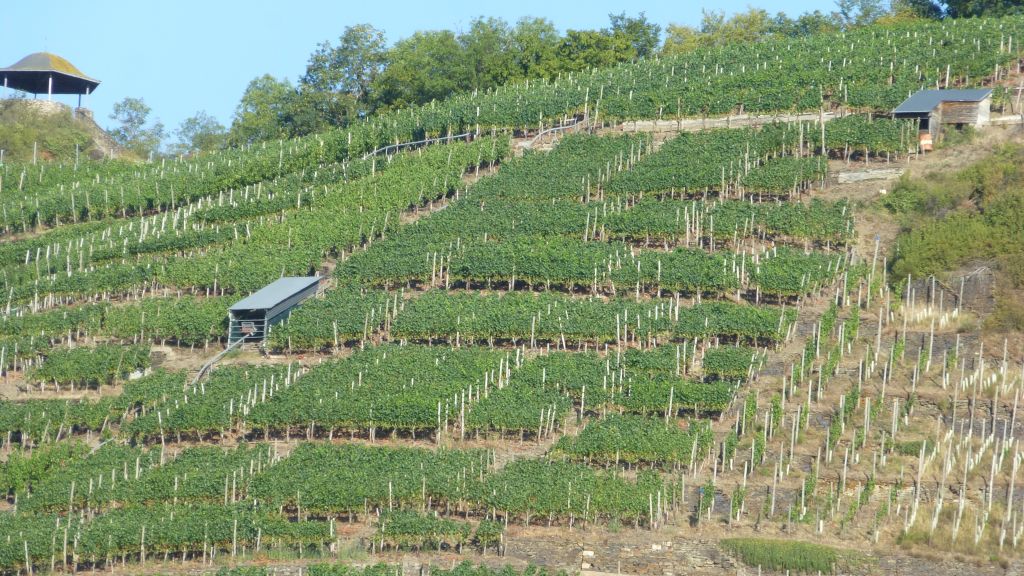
{"points": [[450, 392], [353, 213], [777, 75], [613, 332]]}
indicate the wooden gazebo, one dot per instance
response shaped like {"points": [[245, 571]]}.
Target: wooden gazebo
{"points": [[45, 73]]}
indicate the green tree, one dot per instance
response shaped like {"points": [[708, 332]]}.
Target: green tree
{"points": [[805, 24], [308, 110], [199, 133], [488, 49], [743, 27], [348, 68], [644, 36], [717, 30], [852, 13], [535, 43], [682, 39], [335, 88], [967, 8], [423, 67], [132, 132], [917, 8], [263, 111], [585, 49]]}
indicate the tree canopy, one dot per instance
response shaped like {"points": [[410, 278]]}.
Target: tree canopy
{"points": [[263, 111], [199, 133], [132, 131], [359, 73]]}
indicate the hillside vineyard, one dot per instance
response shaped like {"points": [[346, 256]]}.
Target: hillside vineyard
{"points": [[659, 332]]}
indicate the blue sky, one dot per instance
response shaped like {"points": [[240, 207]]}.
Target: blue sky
{"points": [[187, 55]]}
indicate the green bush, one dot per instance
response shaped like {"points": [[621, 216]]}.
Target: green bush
{"points": [[950, 219], [380, 569], [953, 136], [244, 571], [464, 569], [407, 528]]}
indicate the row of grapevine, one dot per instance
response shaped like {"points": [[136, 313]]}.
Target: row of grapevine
{"points": [[208, 220], [694, 221], [466, 568], [55, 195], [27, 340], [636, 439], [90, 367], [708, 160], [353, 213], [185, 531], [405, 388], [614, 268], [37, 421], [417, 389], [773, 160], [553, 318], [353, 480], [116, 476], [777, 75]]}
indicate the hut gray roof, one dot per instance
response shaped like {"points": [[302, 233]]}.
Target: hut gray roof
{"points": [[275, 293], [925, 101]]}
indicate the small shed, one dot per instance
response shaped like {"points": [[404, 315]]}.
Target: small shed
{"points": [[936, 108], [249, 318]]}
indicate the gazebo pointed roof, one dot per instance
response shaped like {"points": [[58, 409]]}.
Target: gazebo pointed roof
{"points": [[34, 73]]}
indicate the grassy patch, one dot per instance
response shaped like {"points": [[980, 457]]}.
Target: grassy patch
{"points": [[913, 447], [952, 136], [795, 556]]}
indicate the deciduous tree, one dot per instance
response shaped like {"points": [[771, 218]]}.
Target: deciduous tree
{"points": [[488, 50], [351, 66], [132, 132], [643, 35], [421, 68], [261, 113], [585, 49], [200, 133], [535, 44]]}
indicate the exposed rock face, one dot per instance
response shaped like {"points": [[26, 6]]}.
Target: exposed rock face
{"points": [[101, 139]]}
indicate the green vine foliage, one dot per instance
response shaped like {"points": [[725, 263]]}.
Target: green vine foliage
{"points": [[91, 367]]}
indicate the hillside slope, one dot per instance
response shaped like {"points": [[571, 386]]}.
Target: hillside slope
{"points": [[52, 130], [625, 353]]}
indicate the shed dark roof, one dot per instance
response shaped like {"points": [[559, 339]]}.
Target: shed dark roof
{"points": [[274, 293], [32, 74], [925, 101]]}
